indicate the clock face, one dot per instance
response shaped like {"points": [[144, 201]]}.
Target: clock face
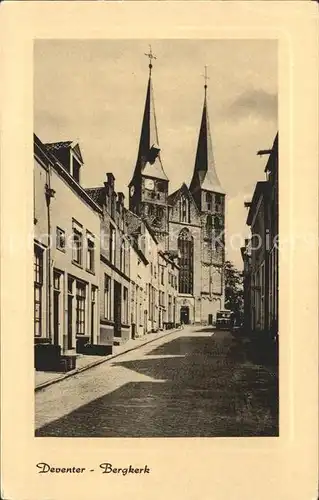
{"points": [[149, 184], [132, 190]]}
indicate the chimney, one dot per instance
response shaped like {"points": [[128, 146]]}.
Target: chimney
{"points": [[121, 197], [110, 179]]}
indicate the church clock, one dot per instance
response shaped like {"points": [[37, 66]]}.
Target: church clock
{"points": [[149, 184], [132, 190]]}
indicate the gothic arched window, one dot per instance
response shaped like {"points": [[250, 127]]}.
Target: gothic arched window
{"points": [[186, 261], [184, 210], [208, 227], [209, 201]]}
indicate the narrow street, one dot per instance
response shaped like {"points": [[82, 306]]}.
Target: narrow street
{"points": [[195, 382]]}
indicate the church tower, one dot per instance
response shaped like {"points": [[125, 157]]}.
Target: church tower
{"points": [[148, 189], [209, 196]]}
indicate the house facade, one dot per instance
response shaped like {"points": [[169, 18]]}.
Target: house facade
{"points": [[260, 254], [66, 250], [114, 264]]}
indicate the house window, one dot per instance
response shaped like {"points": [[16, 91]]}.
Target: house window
{"points": [[107, 297], [38, 284], [60, 239], [90, 264], [113, 200], [80, 308], [125, 305], [77, 244], [122, 257], [186, 248], [162, 275], [112, 244]]}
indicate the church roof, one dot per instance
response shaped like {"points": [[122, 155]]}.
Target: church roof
{"points": [[148, 159], [172, 198], [205, 175]]}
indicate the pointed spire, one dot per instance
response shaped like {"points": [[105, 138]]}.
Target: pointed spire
{"points": [[205, 175], [148, 159]]}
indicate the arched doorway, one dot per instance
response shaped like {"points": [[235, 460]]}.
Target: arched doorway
{"points": [[184, 315]]}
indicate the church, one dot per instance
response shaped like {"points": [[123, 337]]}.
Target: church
{"points": [[190, 221]]}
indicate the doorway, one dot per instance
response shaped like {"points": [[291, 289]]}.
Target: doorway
{"points": [[93, 318], [184, 316], [56, 306], [117, 309]]}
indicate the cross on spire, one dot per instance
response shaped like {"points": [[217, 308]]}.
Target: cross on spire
{"points": [[151, 56], [206, 77]]}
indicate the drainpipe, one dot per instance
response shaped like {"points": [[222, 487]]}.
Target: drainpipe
{"points": [[49, 193]]}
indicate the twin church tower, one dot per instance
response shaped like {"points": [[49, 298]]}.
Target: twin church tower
{"points": [[190, 220]]}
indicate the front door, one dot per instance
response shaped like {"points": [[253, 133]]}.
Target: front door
{"points": [[56, 316], [70, 321], [185, 315], [117, 309], [56, 306]]}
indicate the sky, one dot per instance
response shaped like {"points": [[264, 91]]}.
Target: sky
{"points": [[93, 91]]}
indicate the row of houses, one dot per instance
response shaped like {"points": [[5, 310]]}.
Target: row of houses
{"points": [[101, 276], [260, 253]]}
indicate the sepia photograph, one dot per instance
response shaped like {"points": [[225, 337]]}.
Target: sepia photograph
{"points": [[156, 238], [159, 250]]}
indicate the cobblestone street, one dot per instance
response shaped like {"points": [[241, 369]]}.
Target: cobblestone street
{"points": [[195, 382]]}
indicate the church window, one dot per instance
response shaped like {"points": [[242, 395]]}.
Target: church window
{"points": [[217, 223], [208, 227], [161, 186], [209, 201], [218, 203], [186, 249], [159, 211], [184, 210]]}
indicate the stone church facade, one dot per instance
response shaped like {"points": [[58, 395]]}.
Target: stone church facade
{"points": [[189, 221]]}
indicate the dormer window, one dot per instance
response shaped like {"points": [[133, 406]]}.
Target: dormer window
{"points": [[153, 153], [76, 169]]}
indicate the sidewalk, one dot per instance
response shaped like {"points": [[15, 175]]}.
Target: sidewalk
{"points": [[83, 362]]}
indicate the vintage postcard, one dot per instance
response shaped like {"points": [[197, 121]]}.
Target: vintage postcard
{"points": [[159, 250]]}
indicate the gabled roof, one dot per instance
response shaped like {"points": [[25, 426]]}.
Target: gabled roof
{"points": [[205, 175], [97, 194], [135, 225], [55, 147], [148, 159], [272, 162], [260, 190], [47, 158]]}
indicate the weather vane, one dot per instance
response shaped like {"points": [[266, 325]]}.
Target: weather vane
{"points": [[151, 56]]}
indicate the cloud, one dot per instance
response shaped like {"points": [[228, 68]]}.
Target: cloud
{"points": [[254, 102]]}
